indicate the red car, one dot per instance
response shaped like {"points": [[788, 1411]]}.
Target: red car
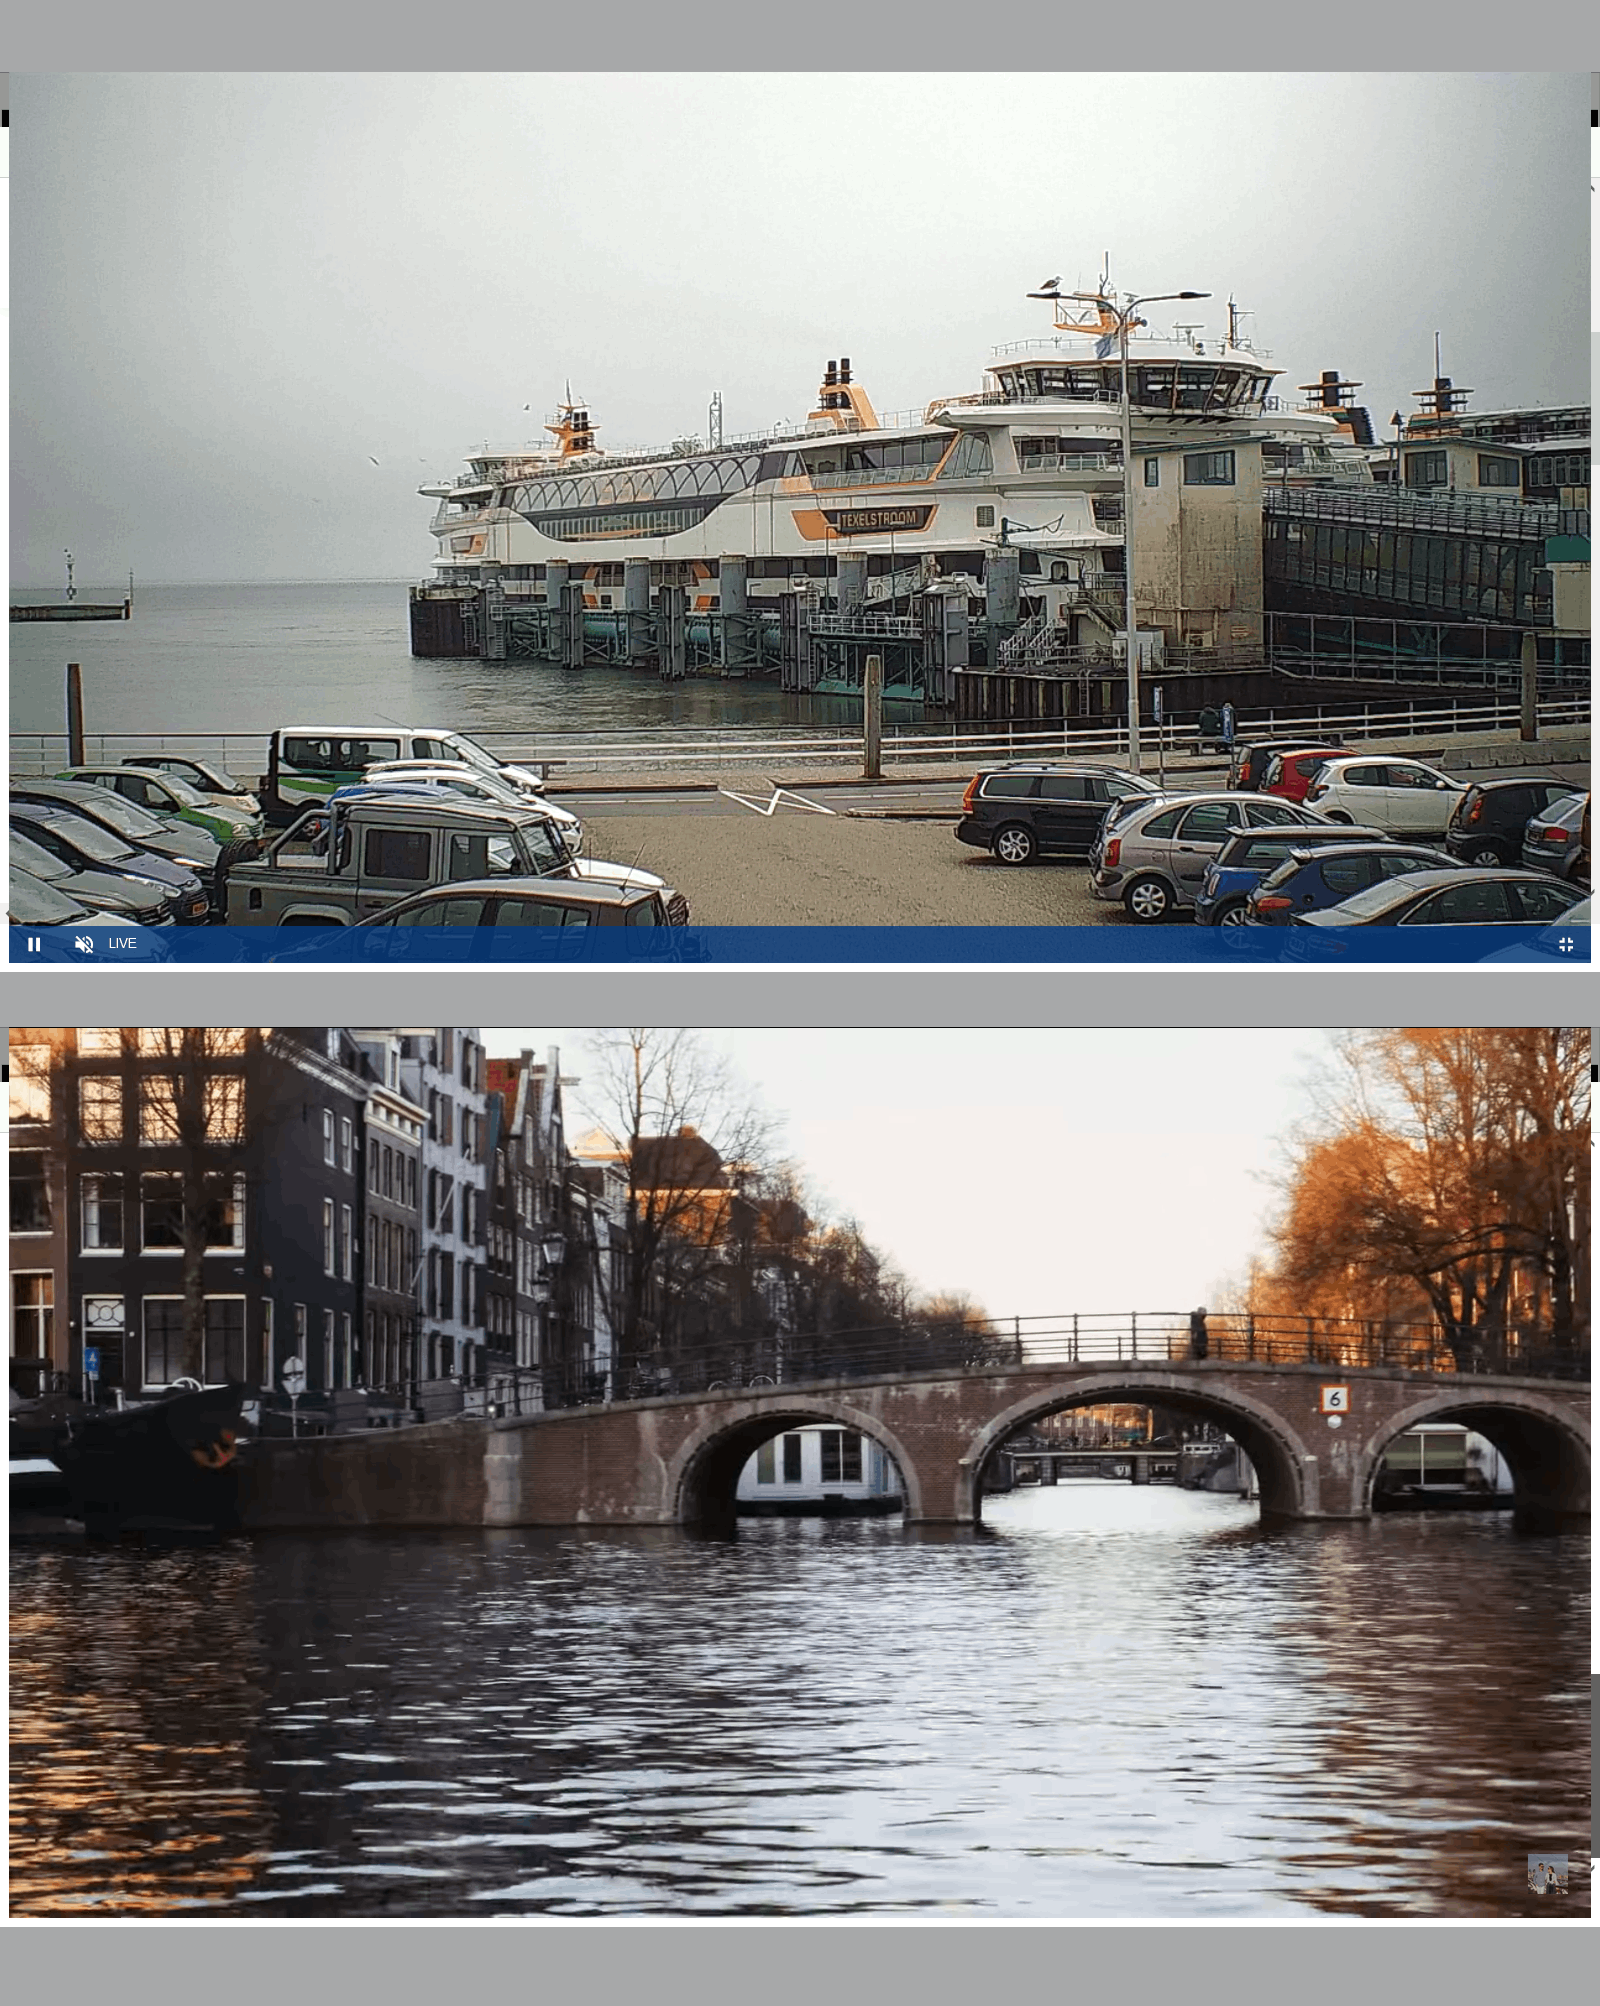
{"points": [[1291, 773]]}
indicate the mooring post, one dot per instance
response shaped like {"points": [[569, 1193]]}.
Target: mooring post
{"points": [[75, 755], [1530, 686], [872, 702]]}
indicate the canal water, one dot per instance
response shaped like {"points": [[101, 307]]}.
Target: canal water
{"points": [[258, 657], [1109, 1703]]}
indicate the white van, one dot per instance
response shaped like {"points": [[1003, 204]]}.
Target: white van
{"points": [[305, 763]]}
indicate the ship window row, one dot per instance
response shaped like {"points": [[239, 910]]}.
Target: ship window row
{"points": [[621, 522], [1180, 387], [1558, 470], [910, 455], [724, 475], [971, 456]]}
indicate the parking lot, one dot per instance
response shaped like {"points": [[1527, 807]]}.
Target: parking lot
{"points": [[797, 869]]}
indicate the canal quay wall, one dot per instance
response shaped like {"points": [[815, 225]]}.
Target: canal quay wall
{"points": [[676, 1460]]}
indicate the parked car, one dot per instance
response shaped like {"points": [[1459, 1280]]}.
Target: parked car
{"points": [[1461, 896], [1031, 809], [1487, 823], [35, 902], [1252, 855], [1311, 880], [1556, 942], [493, 902], [1153, 858], [166, 794], [181, 841], [305, 763], [472, 785], [86, 846], [1290, 774], [205, 776], [1403, 795], [1558, 840], [97, 891], [1250, 762]]}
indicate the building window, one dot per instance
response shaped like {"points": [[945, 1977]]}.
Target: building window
{"points": [[102, 1215], [791, 1459], [328, 1360], [346, 1242], [301, 1332], [327, 1134], [1495, 471], [30, 1192], [766, 1464], [348, 1348], [1427, 470], [268, 1348], [32, 1315], [100, 1107], [224, 1346], [1152, 472], [224, 1214], [327, 1237], [447, 1286], [372, 1164], [345, 1132], [985, 515], [163, 1340], [841, 1456], [220, 1112], [161, 1210], [1208, 470], [100, 1044], [30, 1082]]}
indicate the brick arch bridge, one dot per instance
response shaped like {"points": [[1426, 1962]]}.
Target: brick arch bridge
{"points": [[675, 1460]]}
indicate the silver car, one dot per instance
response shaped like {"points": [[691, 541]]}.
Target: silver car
{"points": [[1151, 857]]}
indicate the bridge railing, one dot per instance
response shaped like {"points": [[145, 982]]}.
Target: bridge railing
{"points": [[1134, 1337]]}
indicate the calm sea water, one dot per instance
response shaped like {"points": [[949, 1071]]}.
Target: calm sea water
{"points": [[1112, 1702], [254, 657]]}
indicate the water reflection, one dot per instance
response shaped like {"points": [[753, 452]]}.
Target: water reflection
{"points": [[1112, 1702]]}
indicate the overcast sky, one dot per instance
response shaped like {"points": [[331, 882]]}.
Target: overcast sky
{"points": [[233, 294], [1040, 1171]]}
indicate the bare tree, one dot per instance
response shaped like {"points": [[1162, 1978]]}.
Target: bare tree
{"points": [[689, 1141]]}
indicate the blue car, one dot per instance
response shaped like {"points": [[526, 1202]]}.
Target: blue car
{"points": [[1246, 858], [1311, 881]]}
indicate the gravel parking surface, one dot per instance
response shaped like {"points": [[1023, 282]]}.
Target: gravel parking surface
{"points": [[795, 869]]}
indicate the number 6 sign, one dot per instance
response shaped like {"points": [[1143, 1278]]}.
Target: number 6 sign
{"points": [[1336, 1400]]}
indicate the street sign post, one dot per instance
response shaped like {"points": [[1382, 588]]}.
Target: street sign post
{"points": [[91, 1369], [293, 1377]]}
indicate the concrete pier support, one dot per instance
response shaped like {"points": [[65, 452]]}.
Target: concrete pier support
{"points": [[636, 608], [494, 613], [733, 613], [852, 581], [1002, 579], [555, 582]]}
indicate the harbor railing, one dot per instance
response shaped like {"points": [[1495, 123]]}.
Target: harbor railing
{"points": [[566, 755]]}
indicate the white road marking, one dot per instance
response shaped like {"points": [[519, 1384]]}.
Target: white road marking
{"points": [[778, 794]]}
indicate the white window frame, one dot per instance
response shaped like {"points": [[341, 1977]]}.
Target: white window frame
{"points": [[94, 1253], [328, 1245]]}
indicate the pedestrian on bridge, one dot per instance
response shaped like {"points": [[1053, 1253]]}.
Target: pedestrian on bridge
{"points": [[1199, 1342]]}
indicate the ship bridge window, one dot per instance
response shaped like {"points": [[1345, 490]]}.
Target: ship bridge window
{"points": [[1426, 470], [1496, 472], [1195, 387], [1152, 386], [971, 456]]}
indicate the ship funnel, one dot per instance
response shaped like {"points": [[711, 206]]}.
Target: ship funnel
{"points": [[844, 369], [831, 374]]}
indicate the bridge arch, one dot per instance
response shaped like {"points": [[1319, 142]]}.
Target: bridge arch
{"points": [[1544, 1440], [1286, 1468], [703, 1475]]}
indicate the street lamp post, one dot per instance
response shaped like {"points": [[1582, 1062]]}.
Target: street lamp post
{"points": [[1130, 629]]}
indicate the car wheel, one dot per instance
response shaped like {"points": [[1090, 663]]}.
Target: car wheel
{"points": [[1147, 900], [1485, 855], [1231, 915], [1014, 844]]}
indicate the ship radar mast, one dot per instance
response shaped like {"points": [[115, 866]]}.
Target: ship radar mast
{"points": [[574, 434]]}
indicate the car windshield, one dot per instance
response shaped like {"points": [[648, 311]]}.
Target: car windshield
{"points": [[474, 755], [90, 838], [545, 850], [221, 779], [182, 792], [126, 816], [35, 857], [37, 904]]}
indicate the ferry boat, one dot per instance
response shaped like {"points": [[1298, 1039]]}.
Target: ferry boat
{"points": [[1032, 458]]}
